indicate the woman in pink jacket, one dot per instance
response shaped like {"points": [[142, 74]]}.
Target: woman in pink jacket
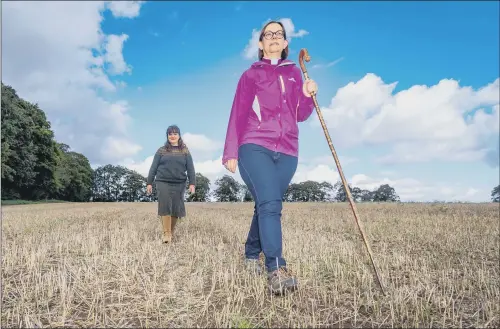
{"points": [[262, 140]]}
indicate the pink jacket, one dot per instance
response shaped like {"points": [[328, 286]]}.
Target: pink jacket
{"points": [[267, 106]]}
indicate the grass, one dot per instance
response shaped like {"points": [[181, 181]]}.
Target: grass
{"points": [[103, 265]]}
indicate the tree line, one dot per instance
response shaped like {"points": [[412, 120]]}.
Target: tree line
{"points": [[34, 166], [227, 189]]}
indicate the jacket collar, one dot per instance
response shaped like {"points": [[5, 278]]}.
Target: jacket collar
{"points": [[266, 62]]}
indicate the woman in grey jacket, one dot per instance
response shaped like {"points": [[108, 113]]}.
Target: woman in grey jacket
{"points": [[172, 166]]}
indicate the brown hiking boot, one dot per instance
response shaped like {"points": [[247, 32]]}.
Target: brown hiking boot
{"points": [[167, 229], [281, 280]]}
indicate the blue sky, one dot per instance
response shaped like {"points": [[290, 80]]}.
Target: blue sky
{"points": [[400, 95]]}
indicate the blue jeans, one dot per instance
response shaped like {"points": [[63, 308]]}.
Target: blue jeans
{"points": [[267, 175]]}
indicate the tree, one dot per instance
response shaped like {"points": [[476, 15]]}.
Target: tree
{"points": [[326, 191], [227, 189], [314, 191], [356, 193], [202, 189], [308, 191], [106, 184], [246, 194], [29, 151], [100, 190], [385, 193], [117, 180], [340, 195], [73, 176], [293, 193], [495, 194], [366, 196], [134, 186], [117, 183]]}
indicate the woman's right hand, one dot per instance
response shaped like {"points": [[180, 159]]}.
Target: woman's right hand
{"points": [[149, 189], [231, 165]]}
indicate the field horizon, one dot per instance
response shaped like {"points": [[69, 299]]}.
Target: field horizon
{"points": [[103, 264]]}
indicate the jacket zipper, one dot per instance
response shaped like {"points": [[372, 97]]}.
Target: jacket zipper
{"points": [[297, 111], [283, 100]]}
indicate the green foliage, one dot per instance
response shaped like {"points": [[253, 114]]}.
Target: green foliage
{"points": [[308, 191], [117, 183], [34, 165], [357, 194], [73, 176], [495, 194], [202, 189], [385, 193], [247, 195], [227, 189], [29, 151]]}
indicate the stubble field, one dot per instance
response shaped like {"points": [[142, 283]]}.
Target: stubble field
{"points": [[103, 265]]}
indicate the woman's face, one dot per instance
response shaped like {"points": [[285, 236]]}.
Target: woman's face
{"points": [[273, 41], [173, 138]]}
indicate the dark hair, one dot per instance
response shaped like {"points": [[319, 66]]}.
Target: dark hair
{"points": [[174, 129], [284, 53]]}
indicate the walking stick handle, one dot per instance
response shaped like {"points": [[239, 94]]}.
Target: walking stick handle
{"points": [[304, 55]]}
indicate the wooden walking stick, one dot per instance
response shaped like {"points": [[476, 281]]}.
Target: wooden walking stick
{"points": [[304, 55]]}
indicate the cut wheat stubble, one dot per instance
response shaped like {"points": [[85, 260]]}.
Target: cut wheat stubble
{"points": [[104, 265]]}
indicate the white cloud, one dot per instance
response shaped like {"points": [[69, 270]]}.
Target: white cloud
{"points": [[330, 64], [320, 169], [120, 84], [252, 48], [290, 29], [318, 173], [441, 122], [126, 9], [119, 147], [344, 160], [410, 189], [212, 169], [54, 54], [114, 54], [201, 143], [142, 167], [117, 113]]}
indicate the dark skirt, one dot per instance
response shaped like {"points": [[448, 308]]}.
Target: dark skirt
{"points": [[171, 199]]}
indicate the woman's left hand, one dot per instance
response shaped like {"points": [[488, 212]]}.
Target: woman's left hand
{"points": [[191, 189], [309, 87]]}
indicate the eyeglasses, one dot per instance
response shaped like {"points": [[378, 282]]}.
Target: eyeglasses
{"points": [[279, 34]]}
